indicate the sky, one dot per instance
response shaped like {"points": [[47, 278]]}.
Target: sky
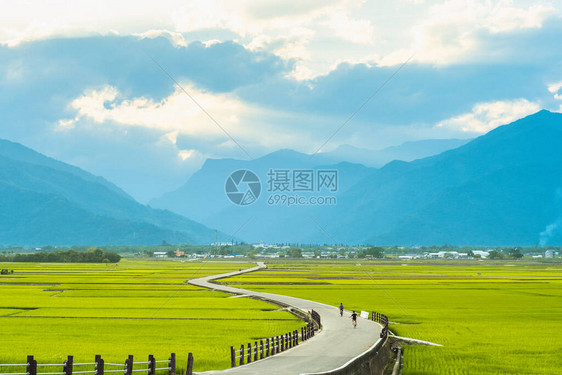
{"points": [[142, 93]]}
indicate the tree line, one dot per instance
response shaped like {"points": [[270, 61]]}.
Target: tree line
{"points": [[92, 255]]}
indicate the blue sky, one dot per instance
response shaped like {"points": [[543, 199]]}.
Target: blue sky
{"points": [[77, 81]]}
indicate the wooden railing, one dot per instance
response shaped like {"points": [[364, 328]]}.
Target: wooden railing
{"points": [[269, 346], [382, 319], [100, 367], [316, 318]]}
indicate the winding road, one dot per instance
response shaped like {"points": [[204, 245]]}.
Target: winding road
{"points": [[335, 345]]}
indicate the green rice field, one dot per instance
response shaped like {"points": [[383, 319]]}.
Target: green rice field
{"points": [[138, 307], [490, 317]]}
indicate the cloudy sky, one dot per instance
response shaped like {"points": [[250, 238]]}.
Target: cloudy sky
{"points": [[91, 83]]}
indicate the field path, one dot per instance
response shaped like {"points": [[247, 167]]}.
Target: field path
{"points": [[334, 346]]}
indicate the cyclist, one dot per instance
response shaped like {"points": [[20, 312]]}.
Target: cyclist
{"points": [[354, 319], [341, 309]]}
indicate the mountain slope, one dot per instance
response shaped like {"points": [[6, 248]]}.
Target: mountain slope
{"points": [[407, 151], [18, 152], [54, 203], [203, 196], [498, 189], [503, 188]]}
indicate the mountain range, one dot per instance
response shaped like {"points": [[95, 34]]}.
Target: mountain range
{"points": [[407, 151], [44, 201], [502, 188]]}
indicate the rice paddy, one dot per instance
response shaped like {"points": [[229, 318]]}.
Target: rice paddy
{"points": [[491, 317], [140, 308]]}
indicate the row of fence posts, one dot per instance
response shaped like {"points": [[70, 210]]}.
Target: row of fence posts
{"points": [[100, 366], [382, 319], [270, 347], [316, 317]]}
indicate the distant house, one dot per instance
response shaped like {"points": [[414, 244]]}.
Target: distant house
{"points": [[549, 253], [160, 254], [483, 254], [179, 253]]}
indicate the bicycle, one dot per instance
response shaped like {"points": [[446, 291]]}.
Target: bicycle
{"points": [[354, 319]]}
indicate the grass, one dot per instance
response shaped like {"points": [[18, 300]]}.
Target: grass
{"points": [[140, 308], [492, 317]]}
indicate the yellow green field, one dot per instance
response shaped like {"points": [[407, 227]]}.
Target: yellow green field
{"points": [[140, 308], [492, 318]]}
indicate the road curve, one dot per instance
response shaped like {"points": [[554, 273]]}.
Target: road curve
{"points": [[335, 345]]}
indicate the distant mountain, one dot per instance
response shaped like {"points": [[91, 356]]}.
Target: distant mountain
{"points": [[407, 151], [204, 197], [44, 201], [503, 188], [18, 152]]}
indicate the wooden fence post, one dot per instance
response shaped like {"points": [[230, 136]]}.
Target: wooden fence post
{"points": [[67, 369], [189, 369], [261, 349], [129, 365], [255, 351], [99, 365], [31, 365], [232, 357], [171, 364], [241, 354], [249, 353], [151, 365], [267, 347]]}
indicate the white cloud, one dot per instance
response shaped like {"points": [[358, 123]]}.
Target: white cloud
{"points": [[252, 127], [175, 38], [316, 34], [554, 88], [487, 116], [172, 115], [186, 154], [452, 31]]}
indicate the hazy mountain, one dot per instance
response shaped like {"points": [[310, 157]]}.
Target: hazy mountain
{"points": [[18, 152], [502, 188], [44, 201], [407, 151], [204, 197]]}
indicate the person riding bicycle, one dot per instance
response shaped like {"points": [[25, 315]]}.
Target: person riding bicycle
{"points": [[354, 319], [341, 309]]}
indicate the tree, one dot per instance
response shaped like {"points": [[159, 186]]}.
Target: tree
{"points": [[495, 254], [295, 253], [375, 252], [515, 253]]}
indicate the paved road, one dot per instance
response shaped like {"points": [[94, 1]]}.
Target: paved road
{"points": [[335, 345]]}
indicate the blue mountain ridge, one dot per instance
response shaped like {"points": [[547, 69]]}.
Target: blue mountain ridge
{"points": [[502, 188], [47, 202]]}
